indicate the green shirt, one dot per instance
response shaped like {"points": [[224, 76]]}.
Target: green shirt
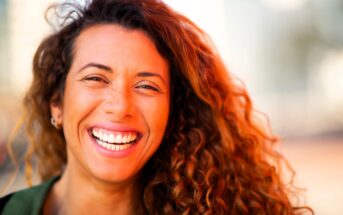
{"points": [[28, 201]]}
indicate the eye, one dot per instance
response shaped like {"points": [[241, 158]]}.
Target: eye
{"points": [[147, 87], [95, 79]]}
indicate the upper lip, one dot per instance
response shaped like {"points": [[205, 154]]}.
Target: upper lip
{"points": [[115, 127]]}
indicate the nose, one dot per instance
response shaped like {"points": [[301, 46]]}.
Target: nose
{"points": [[118, 103]]}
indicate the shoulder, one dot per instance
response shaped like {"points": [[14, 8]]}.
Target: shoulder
{"points": [[27, 201], [4, 200]]}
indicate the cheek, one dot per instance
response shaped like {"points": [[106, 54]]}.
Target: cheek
{"points": [[78, 104], [156, 116]]}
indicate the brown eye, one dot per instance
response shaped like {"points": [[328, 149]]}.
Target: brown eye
{"points": [[96, 79], [148, 87]]}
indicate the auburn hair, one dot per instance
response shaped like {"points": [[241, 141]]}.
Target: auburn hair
{"points": [[214, 157]]}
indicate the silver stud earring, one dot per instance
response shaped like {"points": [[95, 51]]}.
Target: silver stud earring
{"points": [[54, 123]]}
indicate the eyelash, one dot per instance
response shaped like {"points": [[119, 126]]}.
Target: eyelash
{"points": [[95, 78], [149, 87], [143, 86]]}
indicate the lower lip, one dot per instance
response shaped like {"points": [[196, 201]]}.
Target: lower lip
{"points": [[114, 154]]}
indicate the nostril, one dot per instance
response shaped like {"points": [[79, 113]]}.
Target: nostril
{"points": [[119, 106]]}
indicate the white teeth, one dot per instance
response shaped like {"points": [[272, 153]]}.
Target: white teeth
{"points": [[104, 137], [125, 139], [95, 133], [112, 138], [113, 147], [118, 139]]}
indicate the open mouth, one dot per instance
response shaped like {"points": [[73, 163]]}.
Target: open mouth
{"points": [[115, 141]]}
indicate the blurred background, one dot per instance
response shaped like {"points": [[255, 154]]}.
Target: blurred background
{"points": [[289, 54]]}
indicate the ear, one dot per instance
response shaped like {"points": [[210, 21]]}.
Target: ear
{"points": [[56, 109]]}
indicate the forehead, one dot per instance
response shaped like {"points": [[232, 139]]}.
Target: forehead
{"points": [[113, 35], [111, 43]]}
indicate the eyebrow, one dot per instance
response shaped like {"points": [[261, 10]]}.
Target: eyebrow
{"points": [[97, 65], [151, 74], [108, 69]]}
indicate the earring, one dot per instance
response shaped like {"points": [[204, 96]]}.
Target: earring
{"points": [[54, 123]]}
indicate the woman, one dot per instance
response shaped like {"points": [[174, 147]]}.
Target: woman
{"points": [[131, 111]]}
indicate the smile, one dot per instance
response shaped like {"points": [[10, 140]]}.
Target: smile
{"points": [[114, 140]]}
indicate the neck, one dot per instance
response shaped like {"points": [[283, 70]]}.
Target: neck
{"points": [[85, 195]]}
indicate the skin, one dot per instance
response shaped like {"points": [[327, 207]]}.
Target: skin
{"points": [[118, 81]]}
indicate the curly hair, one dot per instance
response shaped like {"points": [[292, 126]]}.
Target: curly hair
{"points": [[214, 157]]}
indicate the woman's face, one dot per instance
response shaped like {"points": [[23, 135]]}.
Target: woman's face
{"points": [[116, 102]]}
